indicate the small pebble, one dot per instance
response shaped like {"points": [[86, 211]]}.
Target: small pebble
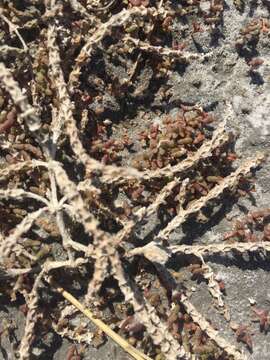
{"points": [[107, 122], [252, 301]]}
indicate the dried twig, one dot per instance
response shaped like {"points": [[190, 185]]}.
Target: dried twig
{"points": [[136, 354], [229, 182]]}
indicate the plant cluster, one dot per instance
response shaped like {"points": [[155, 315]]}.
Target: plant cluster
{"points": [[70, 206]]}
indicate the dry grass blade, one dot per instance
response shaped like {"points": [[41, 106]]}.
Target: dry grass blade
{"points": [[136, 354]]}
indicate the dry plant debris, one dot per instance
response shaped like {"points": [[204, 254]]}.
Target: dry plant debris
{"points": [[70, 205]]}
